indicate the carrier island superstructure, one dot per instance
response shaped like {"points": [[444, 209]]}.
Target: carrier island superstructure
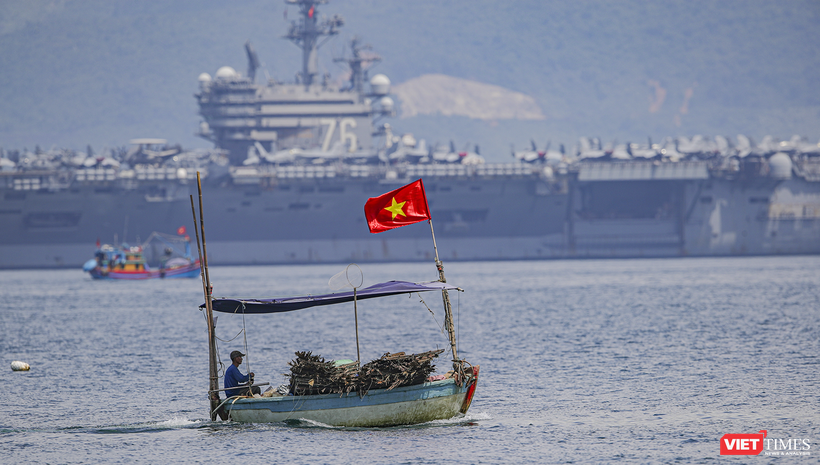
{"points": [[293, 164]]}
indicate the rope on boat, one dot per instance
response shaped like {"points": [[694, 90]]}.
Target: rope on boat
{"points": [[440, 327], [421, 299], [220, 371], [221, 368], [231, 339], [458, 315], [215, 345], [233, 400], [223, 403]]}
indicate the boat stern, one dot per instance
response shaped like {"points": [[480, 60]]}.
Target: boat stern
{"points": [[472, 374]]}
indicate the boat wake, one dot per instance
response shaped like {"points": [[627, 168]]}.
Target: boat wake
{"points": [[179, 423], [174, 423], [469, 418]]}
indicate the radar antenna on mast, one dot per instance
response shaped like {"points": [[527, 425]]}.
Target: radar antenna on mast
{"points": [[305, 34], [253, 61], [359, 64]]}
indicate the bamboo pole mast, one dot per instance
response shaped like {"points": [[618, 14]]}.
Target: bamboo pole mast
{"points": [[448, 312], [356, 317], [213, 378]]}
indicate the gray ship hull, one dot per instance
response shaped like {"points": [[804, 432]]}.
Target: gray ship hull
{"points": [[719, 220], [302, 220], [265, 219]]}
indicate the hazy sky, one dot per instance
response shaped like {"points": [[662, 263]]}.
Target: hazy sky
{"points": [[102, 72]]}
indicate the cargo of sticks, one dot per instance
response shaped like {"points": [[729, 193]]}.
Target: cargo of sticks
{"points": [[312, 374]]}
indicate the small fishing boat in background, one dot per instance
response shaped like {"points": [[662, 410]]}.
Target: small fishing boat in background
{"points": [[129, 262]]}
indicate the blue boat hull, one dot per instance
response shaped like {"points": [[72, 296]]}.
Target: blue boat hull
{"points": [[188, 271], [436, 400]]}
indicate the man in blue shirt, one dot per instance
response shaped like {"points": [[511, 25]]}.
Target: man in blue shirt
{"points": [[235, 379]]}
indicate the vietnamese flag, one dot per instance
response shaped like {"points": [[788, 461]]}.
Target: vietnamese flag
{"points": [[403, 206]]}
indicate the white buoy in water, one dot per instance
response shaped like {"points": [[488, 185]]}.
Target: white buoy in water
{"points": [[20, 366]]}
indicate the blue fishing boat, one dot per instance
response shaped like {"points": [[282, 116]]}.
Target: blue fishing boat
{"points": [[380, 401], [403, 400], [437, 398]]}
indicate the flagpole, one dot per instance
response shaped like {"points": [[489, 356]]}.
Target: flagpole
{"points": [[417, 210], [448, 313]]}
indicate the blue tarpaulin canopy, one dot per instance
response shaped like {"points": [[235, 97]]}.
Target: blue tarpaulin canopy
{"points": [[288, 304]]}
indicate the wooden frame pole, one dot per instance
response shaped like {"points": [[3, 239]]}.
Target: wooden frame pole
{"points": [[445, 296], [213, 381]]}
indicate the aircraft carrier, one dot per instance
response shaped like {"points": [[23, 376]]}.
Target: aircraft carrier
{"points": [[293, 164]]}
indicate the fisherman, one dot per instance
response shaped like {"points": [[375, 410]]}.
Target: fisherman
{"points": [[234, 378], [164, 260]]}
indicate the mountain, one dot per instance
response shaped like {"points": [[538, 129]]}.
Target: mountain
{"points": [[437, 94], [101, 72]]}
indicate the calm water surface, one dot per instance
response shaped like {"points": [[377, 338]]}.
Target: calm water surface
{"points": [[581, 361]]}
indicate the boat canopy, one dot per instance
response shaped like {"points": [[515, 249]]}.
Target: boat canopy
{"points": [[289, 304]]}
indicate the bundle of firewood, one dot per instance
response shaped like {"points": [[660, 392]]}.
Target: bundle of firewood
{"points": [[394, 370], [312, 374]]}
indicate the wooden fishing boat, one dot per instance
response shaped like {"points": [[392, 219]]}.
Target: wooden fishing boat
{"points": [[129, 263], [434, 398]]}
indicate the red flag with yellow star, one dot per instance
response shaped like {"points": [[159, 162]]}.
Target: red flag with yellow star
{"points": [[397, 208]]}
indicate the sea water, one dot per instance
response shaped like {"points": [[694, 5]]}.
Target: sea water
{"points": [[582, 361]]}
